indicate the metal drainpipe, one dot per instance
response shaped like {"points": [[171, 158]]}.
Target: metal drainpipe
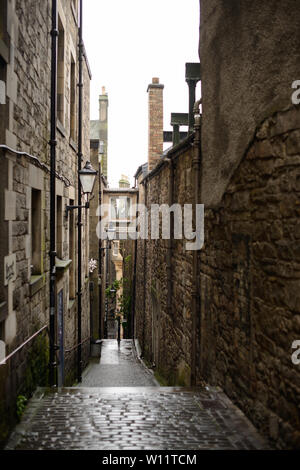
{"points": [[195, 292], [134, 275], [145, 279], [100, 260], [79, 223], [170, 241], [53, 143]]}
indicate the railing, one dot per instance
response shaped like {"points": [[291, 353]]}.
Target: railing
{"points": [[3, 361], [79, 344]]}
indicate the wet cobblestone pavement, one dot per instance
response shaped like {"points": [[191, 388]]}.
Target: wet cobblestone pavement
{"points": [[125, 418], [118, 367]]}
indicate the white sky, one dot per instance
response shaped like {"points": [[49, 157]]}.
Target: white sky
{"points": [[128, 42]]}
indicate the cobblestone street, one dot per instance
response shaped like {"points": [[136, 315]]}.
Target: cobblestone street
{"points": [[106, 413], [118, 367]]}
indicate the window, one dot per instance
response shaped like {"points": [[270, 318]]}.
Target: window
{"points": [[120, 208], [73, 100], [116, 248], [3, 16], [3, 100], [36, 232], [61, 73], [2, 341], [71, 253], [86, 244], [59, 228], [2, 331]]}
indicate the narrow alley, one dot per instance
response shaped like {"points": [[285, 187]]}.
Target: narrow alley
{"points": [[149, 226], [106, 413], [118, 367]]}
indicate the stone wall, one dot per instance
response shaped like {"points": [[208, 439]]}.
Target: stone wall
{"points": [[127, 250], [250, 268], [249, 264], [163, 329], [95, 245], [249, 312], [24, 302], [249, 59]]}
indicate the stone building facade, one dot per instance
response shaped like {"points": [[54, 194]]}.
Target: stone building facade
{"points": [[96, 245], [118, 215], [25, 59], [245, 288], [99, 129]]}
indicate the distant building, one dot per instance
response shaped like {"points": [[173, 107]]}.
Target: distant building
{"points": [[124, 182], [99, 129]]}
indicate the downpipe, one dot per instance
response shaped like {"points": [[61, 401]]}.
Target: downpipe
{"points": [[170, 240], [79, 223], [196, 322], [145, 279], [133, 327], [53, 144]]}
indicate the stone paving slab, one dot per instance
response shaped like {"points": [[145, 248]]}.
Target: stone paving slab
{"points": [[152, 418]]}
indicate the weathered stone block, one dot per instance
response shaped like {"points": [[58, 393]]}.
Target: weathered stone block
{"points": [[286, 121], [293, 143], [10, 205]]}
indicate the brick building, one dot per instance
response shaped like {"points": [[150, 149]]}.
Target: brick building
{"points": [[25, 74], [229, 314]]}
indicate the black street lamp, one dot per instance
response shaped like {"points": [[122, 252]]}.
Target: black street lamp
{"points": [[87, 176]]}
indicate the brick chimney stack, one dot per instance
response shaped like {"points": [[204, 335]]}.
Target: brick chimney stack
{"points": [[155, 120]]}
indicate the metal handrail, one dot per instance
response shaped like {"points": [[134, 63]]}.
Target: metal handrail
{"points": [[79, 344], [3, 362]]}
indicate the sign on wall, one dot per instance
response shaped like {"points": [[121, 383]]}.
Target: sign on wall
{"points": [[10, 269], [2, 352], [2, 92], [60, 324]]}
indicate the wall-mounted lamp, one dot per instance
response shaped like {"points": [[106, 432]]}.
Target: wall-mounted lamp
{"points": [[87, 181], [87, 178]]}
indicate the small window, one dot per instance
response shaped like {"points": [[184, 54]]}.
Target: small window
{"points": [[2, 331], [3, 100], [61, 73], [36, 232], [59, 228], [2, 341], [3, 16], [120, 208], [71, 253], [86, 244], [116, 248], [73, 100]]}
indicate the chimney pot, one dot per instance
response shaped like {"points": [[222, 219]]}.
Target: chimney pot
{"points": [[155, 80]]}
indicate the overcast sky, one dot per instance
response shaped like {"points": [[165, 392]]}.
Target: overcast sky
{"points": [[128, 42]]}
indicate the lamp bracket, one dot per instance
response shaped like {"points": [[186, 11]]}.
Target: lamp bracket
{"points": [[70, 208]]}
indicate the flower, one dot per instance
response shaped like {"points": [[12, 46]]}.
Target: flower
{"points": [[92, 265]]}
